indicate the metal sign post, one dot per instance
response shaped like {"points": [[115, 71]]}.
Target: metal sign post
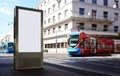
{"points": [[28, 38]]}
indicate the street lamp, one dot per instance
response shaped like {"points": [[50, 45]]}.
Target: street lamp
{"points": [[56, 41], [114, 6]]}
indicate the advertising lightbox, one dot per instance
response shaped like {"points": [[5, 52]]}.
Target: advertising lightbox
{"points": [[29, 31], [28, 38]]}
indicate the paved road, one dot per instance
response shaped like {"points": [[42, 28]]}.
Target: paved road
{"points": [[63, 65], [6, 69], [103, 64]]}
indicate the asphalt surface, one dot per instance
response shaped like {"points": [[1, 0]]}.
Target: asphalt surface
{"points": [[102, 64], [63, 65], [6, 69]]}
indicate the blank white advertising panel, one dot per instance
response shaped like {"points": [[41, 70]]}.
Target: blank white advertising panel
{"points": [[29, 34], [28, 38]]}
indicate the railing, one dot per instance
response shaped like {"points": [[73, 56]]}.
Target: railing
{"points": [[58, 33], [97, 30], [90, 17]]}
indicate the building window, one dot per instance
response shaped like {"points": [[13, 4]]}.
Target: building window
{"points": [[105, 27], [115, 28], [59, 3], [66, 26], [49, 20], [44, 13], [40, 7], [66, 13], [48, 10], [44, 3], [66, 44], [53, 30], [44, 32], [59, 16], [81, 26], [94, 1], [59, 28], [46, 45], [105, 2], [54, 7], [115, 16], [53, 19], [48, 1], [94, 12], [49, 31], [82, 0], [81, 11], [94, 26], [65, 1], [44, 22], [54, 45], [49, 45], [58, 46], [105, 15], [62, 45], [116, 3]]}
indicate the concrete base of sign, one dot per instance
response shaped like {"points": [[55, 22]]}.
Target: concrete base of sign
{"points": [[28, 61]]}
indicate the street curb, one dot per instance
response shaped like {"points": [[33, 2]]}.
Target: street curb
{"points": [[79, 71]]}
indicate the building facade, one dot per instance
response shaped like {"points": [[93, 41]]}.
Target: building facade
{"points": [[64, 16]]}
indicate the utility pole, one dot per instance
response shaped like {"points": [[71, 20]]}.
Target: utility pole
{"points": [[56, 41]]}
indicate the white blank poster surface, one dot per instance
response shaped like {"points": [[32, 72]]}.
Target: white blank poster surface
{"points": [[29, 31]]}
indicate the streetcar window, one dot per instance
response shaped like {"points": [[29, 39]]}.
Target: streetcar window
{"points": [[0, 48], [4, 47], [10, 45], [73, 42], [73, 36]]}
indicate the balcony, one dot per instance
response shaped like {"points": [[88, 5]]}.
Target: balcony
{"points": [[93, 19], [57, 34]]}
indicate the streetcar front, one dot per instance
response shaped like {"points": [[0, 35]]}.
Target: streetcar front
{"points": [[73, 48], [10, 47]]}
